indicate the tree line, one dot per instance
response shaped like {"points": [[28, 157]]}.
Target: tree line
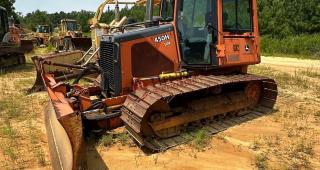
{"points": [[277, 18], [31, 20]]}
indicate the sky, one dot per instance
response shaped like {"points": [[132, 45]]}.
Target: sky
{"points": [[51, 6]]}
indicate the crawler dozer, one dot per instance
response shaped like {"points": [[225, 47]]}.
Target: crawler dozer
{"points": [[70, 36], [42, 35], [186, 68], [11, 49]]}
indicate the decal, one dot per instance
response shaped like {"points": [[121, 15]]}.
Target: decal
{"points": [[162, 38]]}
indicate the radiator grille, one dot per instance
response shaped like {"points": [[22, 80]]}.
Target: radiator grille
{"points": [[110, 67]]}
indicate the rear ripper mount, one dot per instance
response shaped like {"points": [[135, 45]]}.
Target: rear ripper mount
{"points": [[157, 116]]}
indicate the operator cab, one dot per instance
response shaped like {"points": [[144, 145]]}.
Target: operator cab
{"points": [[71, 25], [198, 29], [43, 29]]}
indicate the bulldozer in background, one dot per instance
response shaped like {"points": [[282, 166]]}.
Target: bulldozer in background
{"points": [[69, 36], [161, 78], [42, 35], [12, 46], [18, 36]]}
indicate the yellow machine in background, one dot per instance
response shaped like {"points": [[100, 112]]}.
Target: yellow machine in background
{"points": [[69, 36], [42, 35]]}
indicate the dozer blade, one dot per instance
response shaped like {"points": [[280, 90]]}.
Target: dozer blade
{"points": [[26, 45], [58, 140], [159, 116], [64, 129], [82, 43], [60, 57]]}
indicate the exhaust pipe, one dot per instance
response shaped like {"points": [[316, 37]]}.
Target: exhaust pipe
{"points": [[149, 13]]}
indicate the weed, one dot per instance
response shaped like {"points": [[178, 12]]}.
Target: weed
{"points": [[123, 138], [7, 130], [41, 158], [310, 72], [305, 147], [255, 145], [201, 140], [50, 48], [9, 151], [317, 113], [187, 136], [106, 140], [261, 161]]}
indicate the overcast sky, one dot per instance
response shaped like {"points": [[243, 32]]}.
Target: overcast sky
{"points": [[26, 6]]}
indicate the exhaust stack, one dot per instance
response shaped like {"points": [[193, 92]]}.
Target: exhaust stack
{"points": [[149, 13]]}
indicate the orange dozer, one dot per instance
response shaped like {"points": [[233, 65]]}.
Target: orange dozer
{"points": [[169, 75], [12, 48]]}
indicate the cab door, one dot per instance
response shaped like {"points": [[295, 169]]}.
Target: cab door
{"points": [[195, 39]]}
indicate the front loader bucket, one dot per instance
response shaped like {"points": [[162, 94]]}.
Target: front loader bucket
{"points": [[60, 57], [26, 45], [82, 43]]}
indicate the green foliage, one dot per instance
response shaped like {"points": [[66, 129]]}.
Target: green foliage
{"points": [[301, 45], [106, 140], [8, 4], [280, 18], [31, 20]]}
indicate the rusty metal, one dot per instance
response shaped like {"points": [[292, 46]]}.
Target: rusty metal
{"points": [[61, 71], [157, 98], [11, 55]]}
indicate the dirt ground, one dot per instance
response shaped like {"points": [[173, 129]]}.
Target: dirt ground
{"points": [[286, 139]]}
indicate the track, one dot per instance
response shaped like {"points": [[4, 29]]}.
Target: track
{"points": [[141, 103], [210, 127]]}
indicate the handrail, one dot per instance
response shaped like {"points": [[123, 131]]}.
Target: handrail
{"points": [[82, 58], [90, 57]]}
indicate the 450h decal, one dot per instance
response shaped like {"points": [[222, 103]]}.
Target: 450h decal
{"points": [[162, 38]]}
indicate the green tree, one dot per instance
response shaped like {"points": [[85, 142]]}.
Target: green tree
{"points": [[280, 18], [31, 20], [8, 4]]}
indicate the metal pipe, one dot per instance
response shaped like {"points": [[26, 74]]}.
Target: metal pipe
{"points": [[63, 65], [149, 11], [117, 12]]}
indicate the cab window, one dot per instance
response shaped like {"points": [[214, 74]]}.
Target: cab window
{"points": [[167, 10], [237, 16]]}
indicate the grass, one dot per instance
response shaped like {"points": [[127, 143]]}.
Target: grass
{"points": [[7, 131], [301, 46], [310, 72], [124, 138], [261, 161], [19, 115], [106, 140], [201, 140], [287, 81], [11, 152], [294, 146]]}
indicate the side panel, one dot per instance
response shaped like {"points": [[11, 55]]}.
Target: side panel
{"points": [[148, 56], [239, 51]]}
